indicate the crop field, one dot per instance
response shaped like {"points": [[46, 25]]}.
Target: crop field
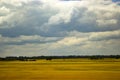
{"points": [[61, 69]]}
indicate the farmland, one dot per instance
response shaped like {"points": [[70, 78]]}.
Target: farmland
{"points": [[61, 69]]}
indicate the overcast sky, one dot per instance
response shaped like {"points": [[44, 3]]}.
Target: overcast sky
{"points": [[59, 27]]}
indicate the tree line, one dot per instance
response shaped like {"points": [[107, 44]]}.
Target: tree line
{"points": [[34, 58]]}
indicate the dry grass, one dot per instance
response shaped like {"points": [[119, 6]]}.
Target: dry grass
{"points": [[67, 69]]}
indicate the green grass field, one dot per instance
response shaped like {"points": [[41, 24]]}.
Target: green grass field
{"points": [[67, 69]]}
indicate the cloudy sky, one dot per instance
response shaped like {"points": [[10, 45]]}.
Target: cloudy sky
{"points": [[59, 27]]}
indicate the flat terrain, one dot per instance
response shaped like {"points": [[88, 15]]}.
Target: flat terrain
{"points": [[67, 69]]}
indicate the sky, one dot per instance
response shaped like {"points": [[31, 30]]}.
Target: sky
{"points": [[59, 27]]}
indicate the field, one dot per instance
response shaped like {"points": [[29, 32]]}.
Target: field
{"points": [[61, 69]]}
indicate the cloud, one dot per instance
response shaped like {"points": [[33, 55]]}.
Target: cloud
{"points": [[68, 41], [21, 40], [105, 35], [44, 18], [61, 27]]}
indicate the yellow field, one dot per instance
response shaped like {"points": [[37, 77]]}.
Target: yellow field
{"points": [[67, 69]]}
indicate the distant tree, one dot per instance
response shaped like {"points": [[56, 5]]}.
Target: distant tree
{"points": [[49, 58]]}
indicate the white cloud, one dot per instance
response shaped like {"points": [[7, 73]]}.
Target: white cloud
{"points": [[94, 13], [4, 11], [68, 41], [27, 39], [105, 35], [59, 27], [106, 22]]}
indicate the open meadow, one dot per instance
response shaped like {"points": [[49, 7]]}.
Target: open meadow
{"points": [[61, 69]]}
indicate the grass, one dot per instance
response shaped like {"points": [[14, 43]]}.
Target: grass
{"points": [[67, 69]]}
